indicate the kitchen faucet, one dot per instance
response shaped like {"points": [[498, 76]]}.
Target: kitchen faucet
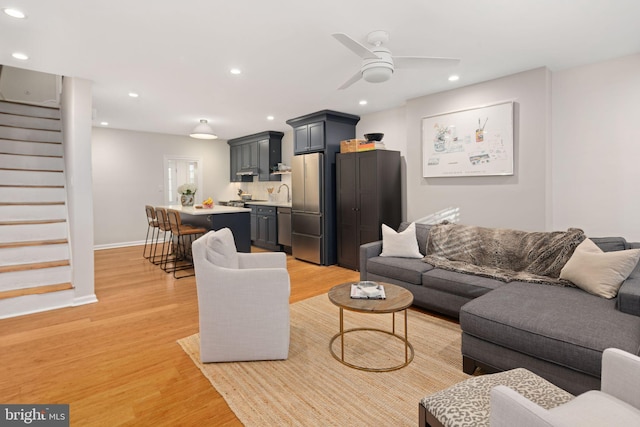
{"points": [[288, 192]]}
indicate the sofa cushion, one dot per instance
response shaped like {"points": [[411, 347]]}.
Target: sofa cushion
{"points": [[408, 270], [401, 244], [465, 285], [565, 326], [597, 272]]}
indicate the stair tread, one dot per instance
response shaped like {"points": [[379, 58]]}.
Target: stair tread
{"points": [[33, 266], [30, 127], [53, 156], [31, 203], [32, 221], [33, 243], [21, 107], [35, 290], [5, 125], [30, 186], [26, 140], [33, 170]]}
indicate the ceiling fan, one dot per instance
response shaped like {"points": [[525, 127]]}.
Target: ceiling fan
{"points": [[378, 64]]}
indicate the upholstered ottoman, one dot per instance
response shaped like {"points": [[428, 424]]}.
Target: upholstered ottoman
{"points": [[467, 403]]}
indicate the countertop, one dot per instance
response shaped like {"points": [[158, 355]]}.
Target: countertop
{"points": [[207, 211], [267, 203]]}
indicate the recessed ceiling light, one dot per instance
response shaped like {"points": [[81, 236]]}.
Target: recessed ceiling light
{"points": [[20, 56], [235, 71], [270, 117], [104, 123], [363, 102], [14, 13], [454, 78], [133, 94]]}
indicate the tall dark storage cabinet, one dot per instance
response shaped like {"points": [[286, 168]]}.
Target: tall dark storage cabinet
{"points": [[368, 195]]}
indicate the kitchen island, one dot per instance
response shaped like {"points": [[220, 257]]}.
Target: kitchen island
{"points": [[238, 220]]}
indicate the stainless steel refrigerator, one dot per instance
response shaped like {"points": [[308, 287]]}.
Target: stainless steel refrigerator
{"points": [[308, 228]]}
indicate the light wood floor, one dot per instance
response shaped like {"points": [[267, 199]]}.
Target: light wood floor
{"points": [[117, 362]]}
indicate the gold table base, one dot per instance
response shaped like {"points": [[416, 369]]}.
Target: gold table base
{"points": [[408, 348]]}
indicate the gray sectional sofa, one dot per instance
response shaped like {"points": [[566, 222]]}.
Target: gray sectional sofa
{"points": [[556, 332], [432, 288]]}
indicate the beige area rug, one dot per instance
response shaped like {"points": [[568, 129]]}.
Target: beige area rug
{"points": [[313, 388]]}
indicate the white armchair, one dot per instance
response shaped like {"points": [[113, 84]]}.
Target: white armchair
{"points": [[243, 300], [616, 404]]}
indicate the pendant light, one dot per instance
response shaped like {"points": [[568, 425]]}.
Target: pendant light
{"points": [[203, 131]]}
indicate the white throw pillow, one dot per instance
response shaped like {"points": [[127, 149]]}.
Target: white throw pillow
{"points": [[221, 249], [401, 245], [597, 272]]}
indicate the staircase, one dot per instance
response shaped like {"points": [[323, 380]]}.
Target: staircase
{"points": [[34, 233]]}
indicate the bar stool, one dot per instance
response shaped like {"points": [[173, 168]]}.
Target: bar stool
{"points": [[184, 235], [153, 227], [165, 250]]}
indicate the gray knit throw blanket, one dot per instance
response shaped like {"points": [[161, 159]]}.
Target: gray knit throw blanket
{"points": [[502, 254]]}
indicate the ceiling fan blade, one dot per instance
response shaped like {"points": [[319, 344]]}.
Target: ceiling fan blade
{"points": [[422, 61], [359, 49], [357, 76]]}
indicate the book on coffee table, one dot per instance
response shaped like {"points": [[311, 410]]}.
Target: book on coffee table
{"points": [[367, 290]]}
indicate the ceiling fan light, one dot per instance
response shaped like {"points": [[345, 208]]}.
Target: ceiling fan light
{"points": [[203, 131], [377, 74]]}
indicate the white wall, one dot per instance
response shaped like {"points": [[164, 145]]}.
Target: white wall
{"points": [[596, 151], [128, 174], [519, 201]]}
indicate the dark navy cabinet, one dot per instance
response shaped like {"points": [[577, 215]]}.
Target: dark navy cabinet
{"points": [[368, 195], [255, 155], [319, 132]]}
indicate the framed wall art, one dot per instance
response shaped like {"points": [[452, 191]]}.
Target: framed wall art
{"points": [[472, 142]]}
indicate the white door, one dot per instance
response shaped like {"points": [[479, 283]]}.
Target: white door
{"points": [[178, 171]]}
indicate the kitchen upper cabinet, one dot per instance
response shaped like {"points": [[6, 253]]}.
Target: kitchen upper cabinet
{"points": [[309, 138], [255, 155], [269, 155], [322, 131], [235, 154], [249, 153], [368, 195]]}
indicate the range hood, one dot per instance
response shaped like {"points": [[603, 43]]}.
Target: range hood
{"points": [[248, 171]]}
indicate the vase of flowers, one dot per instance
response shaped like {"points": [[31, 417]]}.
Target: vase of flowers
{"points": [[187, 194]]}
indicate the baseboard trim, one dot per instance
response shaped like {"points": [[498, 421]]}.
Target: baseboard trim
{"points": [[89, 299], [120, 245], [117, 245]]}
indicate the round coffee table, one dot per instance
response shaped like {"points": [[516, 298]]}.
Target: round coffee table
{"points": [[397, 299]]}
